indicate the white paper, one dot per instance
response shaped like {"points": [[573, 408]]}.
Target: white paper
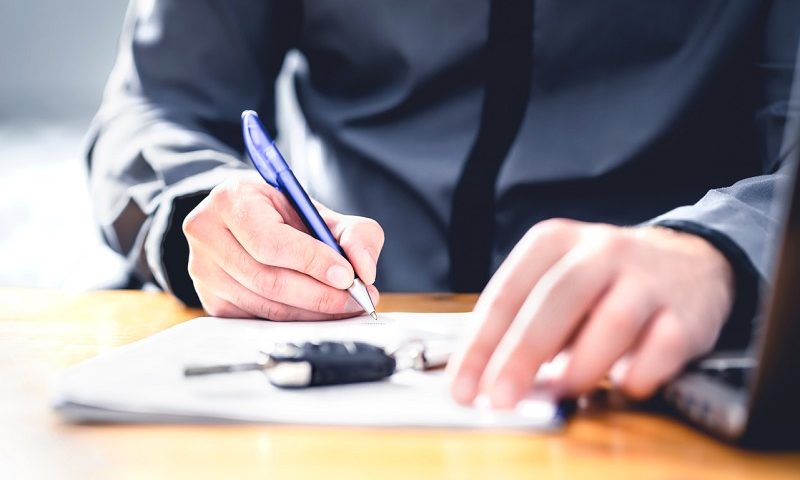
{"points": [[144, 382]]}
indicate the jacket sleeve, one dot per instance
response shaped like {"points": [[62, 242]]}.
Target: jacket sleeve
{"points": [[167, 130], [743, 220]]}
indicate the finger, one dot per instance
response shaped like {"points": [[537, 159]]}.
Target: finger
{"points": [[612, 329], [278, 284], [497, 306], [217, 307], [545, 322], [663, 351], [362, 240], [243, 193], [214, 279], [281, 245]]}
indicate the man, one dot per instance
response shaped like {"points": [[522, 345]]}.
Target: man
{"points": [[467, 132]]}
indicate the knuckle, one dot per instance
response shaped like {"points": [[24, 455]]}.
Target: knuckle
{"points": [[327, 303], [268, 283], [223, 193], [612, 244], [274, 196], [249, 208], [240, 212], [374, 230], [236, 186], [704, 343], [267, 312], [572, 381], [311, 261], [220, 192], [271, 311], [361, 230], [555, 224], [618, 318], [195, 267], [379, 233], [672, 338], [637, 388], [192, 224], [365, 233], [269, 249], [232, 256], [216, 308], [212, 309], [549, 230], [239, 257], [274, 202], [192, 270], [239, 299]]}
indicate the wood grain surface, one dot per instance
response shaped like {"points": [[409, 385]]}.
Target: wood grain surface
{"points": [[42, 332]]}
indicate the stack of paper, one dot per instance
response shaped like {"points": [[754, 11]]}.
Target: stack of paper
{"points": [[144, 382]]}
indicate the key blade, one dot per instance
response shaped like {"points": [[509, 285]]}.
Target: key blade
{"points": [[195, 371]]}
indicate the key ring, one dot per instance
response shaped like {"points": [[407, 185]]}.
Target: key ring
{"points": [[414, 354]]}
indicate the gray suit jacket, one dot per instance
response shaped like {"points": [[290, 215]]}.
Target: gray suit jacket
{"points": [[639, 111]]}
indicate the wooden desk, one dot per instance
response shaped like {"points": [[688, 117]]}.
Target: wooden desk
{"points": [[43, 332]]}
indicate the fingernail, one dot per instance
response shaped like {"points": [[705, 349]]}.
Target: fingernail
{"points": [[505, 394], [619, 370], [374, 297], [367, 262], [464, 389], [340, 277], [351, 306]]}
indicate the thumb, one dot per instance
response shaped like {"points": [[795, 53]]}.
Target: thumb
{"points": [[361, 239]]}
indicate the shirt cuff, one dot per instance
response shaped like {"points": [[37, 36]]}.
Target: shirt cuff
{"points": [[166, 248]]}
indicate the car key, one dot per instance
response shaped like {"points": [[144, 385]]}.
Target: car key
{"points": [[310, 364]]}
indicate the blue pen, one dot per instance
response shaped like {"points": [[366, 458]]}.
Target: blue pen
{"points": [[273, 168]]}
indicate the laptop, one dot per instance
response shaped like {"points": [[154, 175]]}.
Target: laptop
{"points": [[753, 398]]}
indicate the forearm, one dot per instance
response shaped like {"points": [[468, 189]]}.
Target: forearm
{"points": [[168, 129]]}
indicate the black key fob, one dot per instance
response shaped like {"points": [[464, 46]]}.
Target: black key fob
{"points": [[310, 364]]}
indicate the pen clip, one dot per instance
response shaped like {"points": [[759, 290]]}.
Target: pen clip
{"points": [[257, 142]]}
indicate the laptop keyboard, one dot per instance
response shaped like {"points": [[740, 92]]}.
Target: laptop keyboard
{"points": [[714, 398], [735, 377], [733, 371]]}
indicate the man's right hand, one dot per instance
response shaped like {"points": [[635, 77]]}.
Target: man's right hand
{"points": [[251, 256]]}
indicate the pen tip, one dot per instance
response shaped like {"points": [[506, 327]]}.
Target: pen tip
{"points": [[373, 315]]}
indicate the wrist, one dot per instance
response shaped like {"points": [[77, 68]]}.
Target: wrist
{"points": [[737, 330]]}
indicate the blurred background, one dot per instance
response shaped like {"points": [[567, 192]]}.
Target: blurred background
{"points": [[55, 56]]}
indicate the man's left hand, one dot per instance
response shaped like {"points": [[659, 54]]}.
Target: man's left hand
{"points": [[642, 300]]}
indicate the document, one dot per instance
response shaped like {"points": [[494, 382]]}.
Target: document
{"points": [[143, 382]]}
